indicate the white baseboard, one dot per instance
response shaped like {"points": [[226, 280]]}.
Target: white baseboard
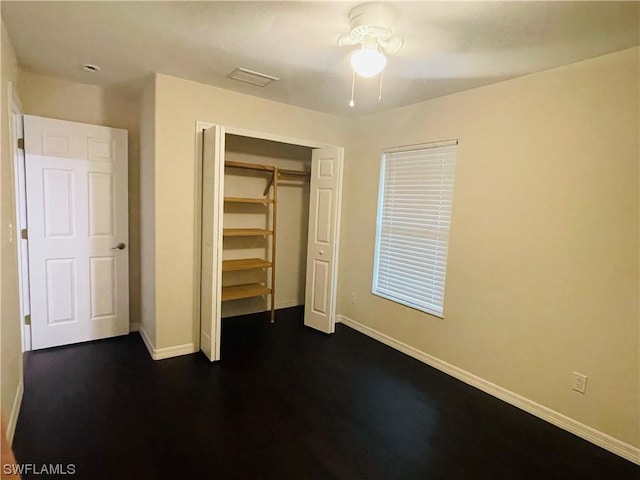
{"points": [[15, 411], [134, 327], [586, 432], [174, 351], [166, 352], [147, 341]]}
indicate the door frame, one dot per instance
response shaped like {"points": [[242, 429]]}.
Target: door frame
{"points": [[16, 131], [200, 127]]}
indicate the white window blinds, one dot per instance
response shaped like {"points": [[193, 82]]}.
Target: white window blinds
{"points": [[414, 218]]}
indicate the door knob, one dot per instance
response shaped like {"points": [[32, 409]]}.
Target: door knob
{"points": [[120, 246], [321, 252]]}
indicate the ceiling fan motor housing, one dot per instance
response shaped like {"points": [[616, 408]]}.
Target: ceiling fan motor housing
{"points": [[372, 20]]}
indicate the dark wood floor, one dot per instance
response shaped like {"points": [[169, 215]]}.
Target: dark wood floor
{"points": [[285, 402]]}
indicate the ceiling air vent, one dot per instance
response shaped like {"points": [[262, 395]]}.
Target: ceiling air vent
{"points": [[252, 78]]}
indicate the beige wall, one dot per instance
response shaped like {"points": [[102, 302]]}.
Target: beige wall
{"points": [[293, 215], [147, 211], [543, 272], [10, 336], [76, 102], [179, 105]]}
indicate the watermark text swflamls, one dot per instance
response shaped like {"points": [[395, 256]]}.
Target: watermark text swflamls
{"points": [[39, 469]]}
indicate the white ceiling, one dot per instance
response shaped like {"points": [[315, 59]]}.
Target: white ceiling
{"points": [[449, 46]]}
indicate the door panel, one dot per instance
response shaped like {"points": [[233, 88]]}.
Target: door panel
{"points": [[100, 149], [323, 216], [103, 282], [61, 290], [58, 202], [101, 204], [322, 250], [320, 287], [211, 260], [77, 211], [55, 144]]}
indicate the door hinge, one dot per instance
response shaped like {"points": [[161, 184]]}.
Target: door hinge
{"points": [[24, 234], [27, 319], [21, 143]]}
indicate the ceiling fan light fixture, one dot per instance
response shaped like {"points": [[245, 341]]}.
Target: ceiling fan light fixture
{"points": [[371, 28], [368, 61]]}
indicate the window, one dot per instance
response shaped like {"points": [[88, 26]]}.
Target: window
{"points": [[414, 218]]}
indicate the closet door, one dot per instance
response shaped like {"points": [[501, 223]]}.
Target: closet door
{"points": [[211, 268], [322, 249]]}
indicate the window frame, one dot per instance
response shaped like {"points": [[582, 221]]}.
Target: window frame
{"points": [[407, 301]]}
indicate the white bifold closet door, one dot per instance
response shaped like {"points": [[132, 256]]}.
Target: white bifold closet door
{"points": [[211, 241], [77, 213], [322, 248]]}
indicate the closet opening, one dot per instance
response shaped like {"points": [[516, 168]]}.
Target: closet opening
{"points": [[269, 231], [265, 224]]}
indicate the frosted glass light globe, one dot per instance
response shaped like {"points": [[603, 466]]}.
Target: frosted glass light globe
{"points": [[368, 62]]}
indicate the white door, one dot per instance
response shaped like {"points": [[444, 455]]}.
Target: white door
{"points": [[78, 231], [211, 269], [322, 249]]}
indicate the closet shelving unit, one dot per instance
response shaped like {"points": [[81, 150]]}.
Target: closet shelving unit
{"points": [[237, 292], [270, 197]]}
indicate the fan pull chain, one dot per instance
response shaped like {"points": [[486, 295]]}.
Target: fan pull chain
{"points": [[353, 89], [380, 90]]}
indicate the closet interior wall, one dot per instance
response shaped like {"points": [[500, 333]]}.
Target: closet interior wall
{"points": [[292, 218]]}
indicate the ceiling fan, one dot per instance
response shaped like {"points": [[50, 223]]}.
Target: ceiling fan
{"points": [[371, 29]]}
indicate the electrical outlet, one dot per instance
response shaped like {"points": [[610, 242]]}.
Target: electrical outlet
{"points": [[579, 383], [353, 298]]}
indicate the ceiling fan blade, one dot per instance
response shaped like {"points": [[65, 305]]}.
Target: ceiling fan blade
{"points": [[346, 40], [392, 44]]}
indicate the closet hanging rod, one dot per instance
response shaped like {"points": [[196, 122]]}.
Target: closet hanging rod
{"points": [[249, 166], [293, 173]]}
